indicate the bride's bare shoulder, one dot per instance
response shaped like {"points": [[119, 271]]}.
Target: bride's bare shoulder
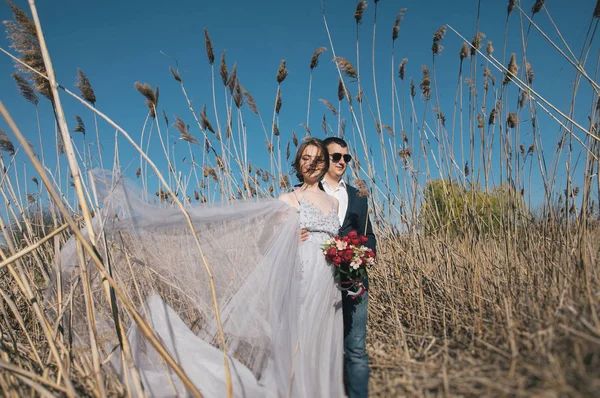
{"points": [[290, 199]]}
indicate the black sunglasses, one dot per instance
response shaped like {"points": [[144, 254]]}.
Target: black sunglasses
{"points": [[336, 157]]}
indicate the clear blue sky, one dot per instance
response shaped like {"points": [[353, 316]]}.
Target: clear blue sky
{"points": [[119, 42]]}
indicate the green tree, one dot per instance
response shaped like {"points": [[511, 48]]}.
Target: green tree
{"points": [[451, 208]]}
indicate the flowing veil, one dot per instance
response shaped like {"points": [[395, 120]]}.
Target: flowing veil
{"points": [[251, 248]]}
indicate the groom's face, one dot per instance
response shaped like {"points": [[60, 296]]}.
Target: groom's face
{"points": [[337, 169]]}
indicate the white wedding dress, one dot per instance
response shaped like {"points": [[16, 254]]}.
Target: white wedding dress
{"points": [[278, 300]]}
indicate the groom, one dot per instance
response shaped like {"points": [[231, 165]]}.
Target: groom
{"points": [[354, 216]]}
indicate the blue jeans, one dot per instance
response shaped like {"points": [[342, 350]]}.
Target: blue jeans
{"points": [[355, 345]]}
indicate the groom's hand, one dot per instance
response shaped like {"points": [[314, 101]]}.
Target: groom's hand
{"points": [[303, 235]]}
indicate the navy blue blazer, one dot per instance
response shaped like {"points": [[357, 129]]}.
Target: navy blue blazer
{"points": [[357, 217]]}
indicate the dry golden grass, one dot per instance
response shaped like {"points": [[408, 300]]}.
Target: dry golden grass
{"points": [[452, 313], [478, 318]]}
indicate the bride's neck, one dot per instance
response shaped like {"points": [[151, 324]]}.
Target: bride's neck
{"points": [[311, 186]]}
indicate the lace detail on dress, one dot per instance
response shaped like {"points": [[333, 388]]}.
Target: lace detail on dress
{"points": [[320, 225]]}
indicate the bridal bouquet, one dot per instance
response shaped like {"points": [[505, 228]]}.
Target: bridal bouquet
{"points": [[352, 258]]}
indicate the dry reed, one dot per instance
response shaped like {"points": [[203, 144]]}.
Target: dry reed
{"points": [[453, 312]]}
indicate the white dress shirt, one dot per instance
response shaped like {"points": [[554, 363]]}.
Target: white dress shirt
{"points": [[341, 194]]}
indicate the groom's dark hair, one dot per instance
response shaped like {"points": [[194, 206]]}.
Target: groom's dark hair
{"points": [[335, 140]]}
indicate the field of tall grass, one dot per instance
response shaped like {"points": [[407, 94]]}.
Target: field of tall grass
{"points": [[481, 287]]}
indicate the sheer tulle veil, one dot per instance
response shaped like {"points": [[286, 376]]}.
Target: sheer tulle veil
{"points": [[251, 248]]}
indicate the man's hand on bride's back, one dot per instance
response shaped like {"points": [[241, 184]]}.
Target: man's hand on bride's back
{"points": [[303, 235]]}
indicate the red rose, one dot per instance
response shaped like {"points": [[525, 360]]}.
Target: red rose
{"points": [[337, 260], [346, 239], [331, 252], [370, 253], [352, 235], [347, 256], [355, 241], [363, 240]]}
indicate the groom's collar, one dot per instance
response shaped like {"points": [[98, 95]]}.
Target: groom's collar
{"points": [[342, 183]]}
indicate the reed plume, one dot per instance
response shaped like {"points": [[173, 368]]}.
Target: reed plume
{"points": [[6, 144], [223, 69], [597, 10], [209, 48], [25, 88], [220, 162], [492, 118], [488, 75], [314, 60], [537, 7], [206, 125], [511, 6], [346, 67], [330, 106], [175, 74], [402, 68], [281, 72], [389, 130], [184, 130], [238, 96], [210, 172], [341, 90], [425, 85], [438, 36], [278, 102], [150, 95], [294, 139], [476, 42], [360, 9], [284, 181], [512, 120], [80, 128], [250, 101], [22, 34], [529, 73], [405, 154], [396, 28], [490, 48], [464, 52], [361, 185], [275, 130], [231, 81], [85, 87], [513, 68]]}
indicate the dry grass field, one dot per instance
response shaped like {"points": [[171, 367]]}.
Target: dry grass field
{"points": [[477, 291]]}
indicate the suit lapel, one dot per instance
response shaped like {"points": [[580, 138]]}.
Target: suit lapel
{"points": [[350, 203]]}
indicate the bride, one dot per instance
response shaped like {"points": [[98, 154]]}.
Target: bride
{"points": [[279, 305]]}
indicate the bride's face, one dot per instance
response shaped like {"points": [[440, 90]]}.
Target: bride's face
{"points": [[312, 163]]}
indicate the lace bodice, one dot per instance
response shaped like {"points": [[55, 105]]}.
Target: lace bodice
{"points": [[321, 225]]}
